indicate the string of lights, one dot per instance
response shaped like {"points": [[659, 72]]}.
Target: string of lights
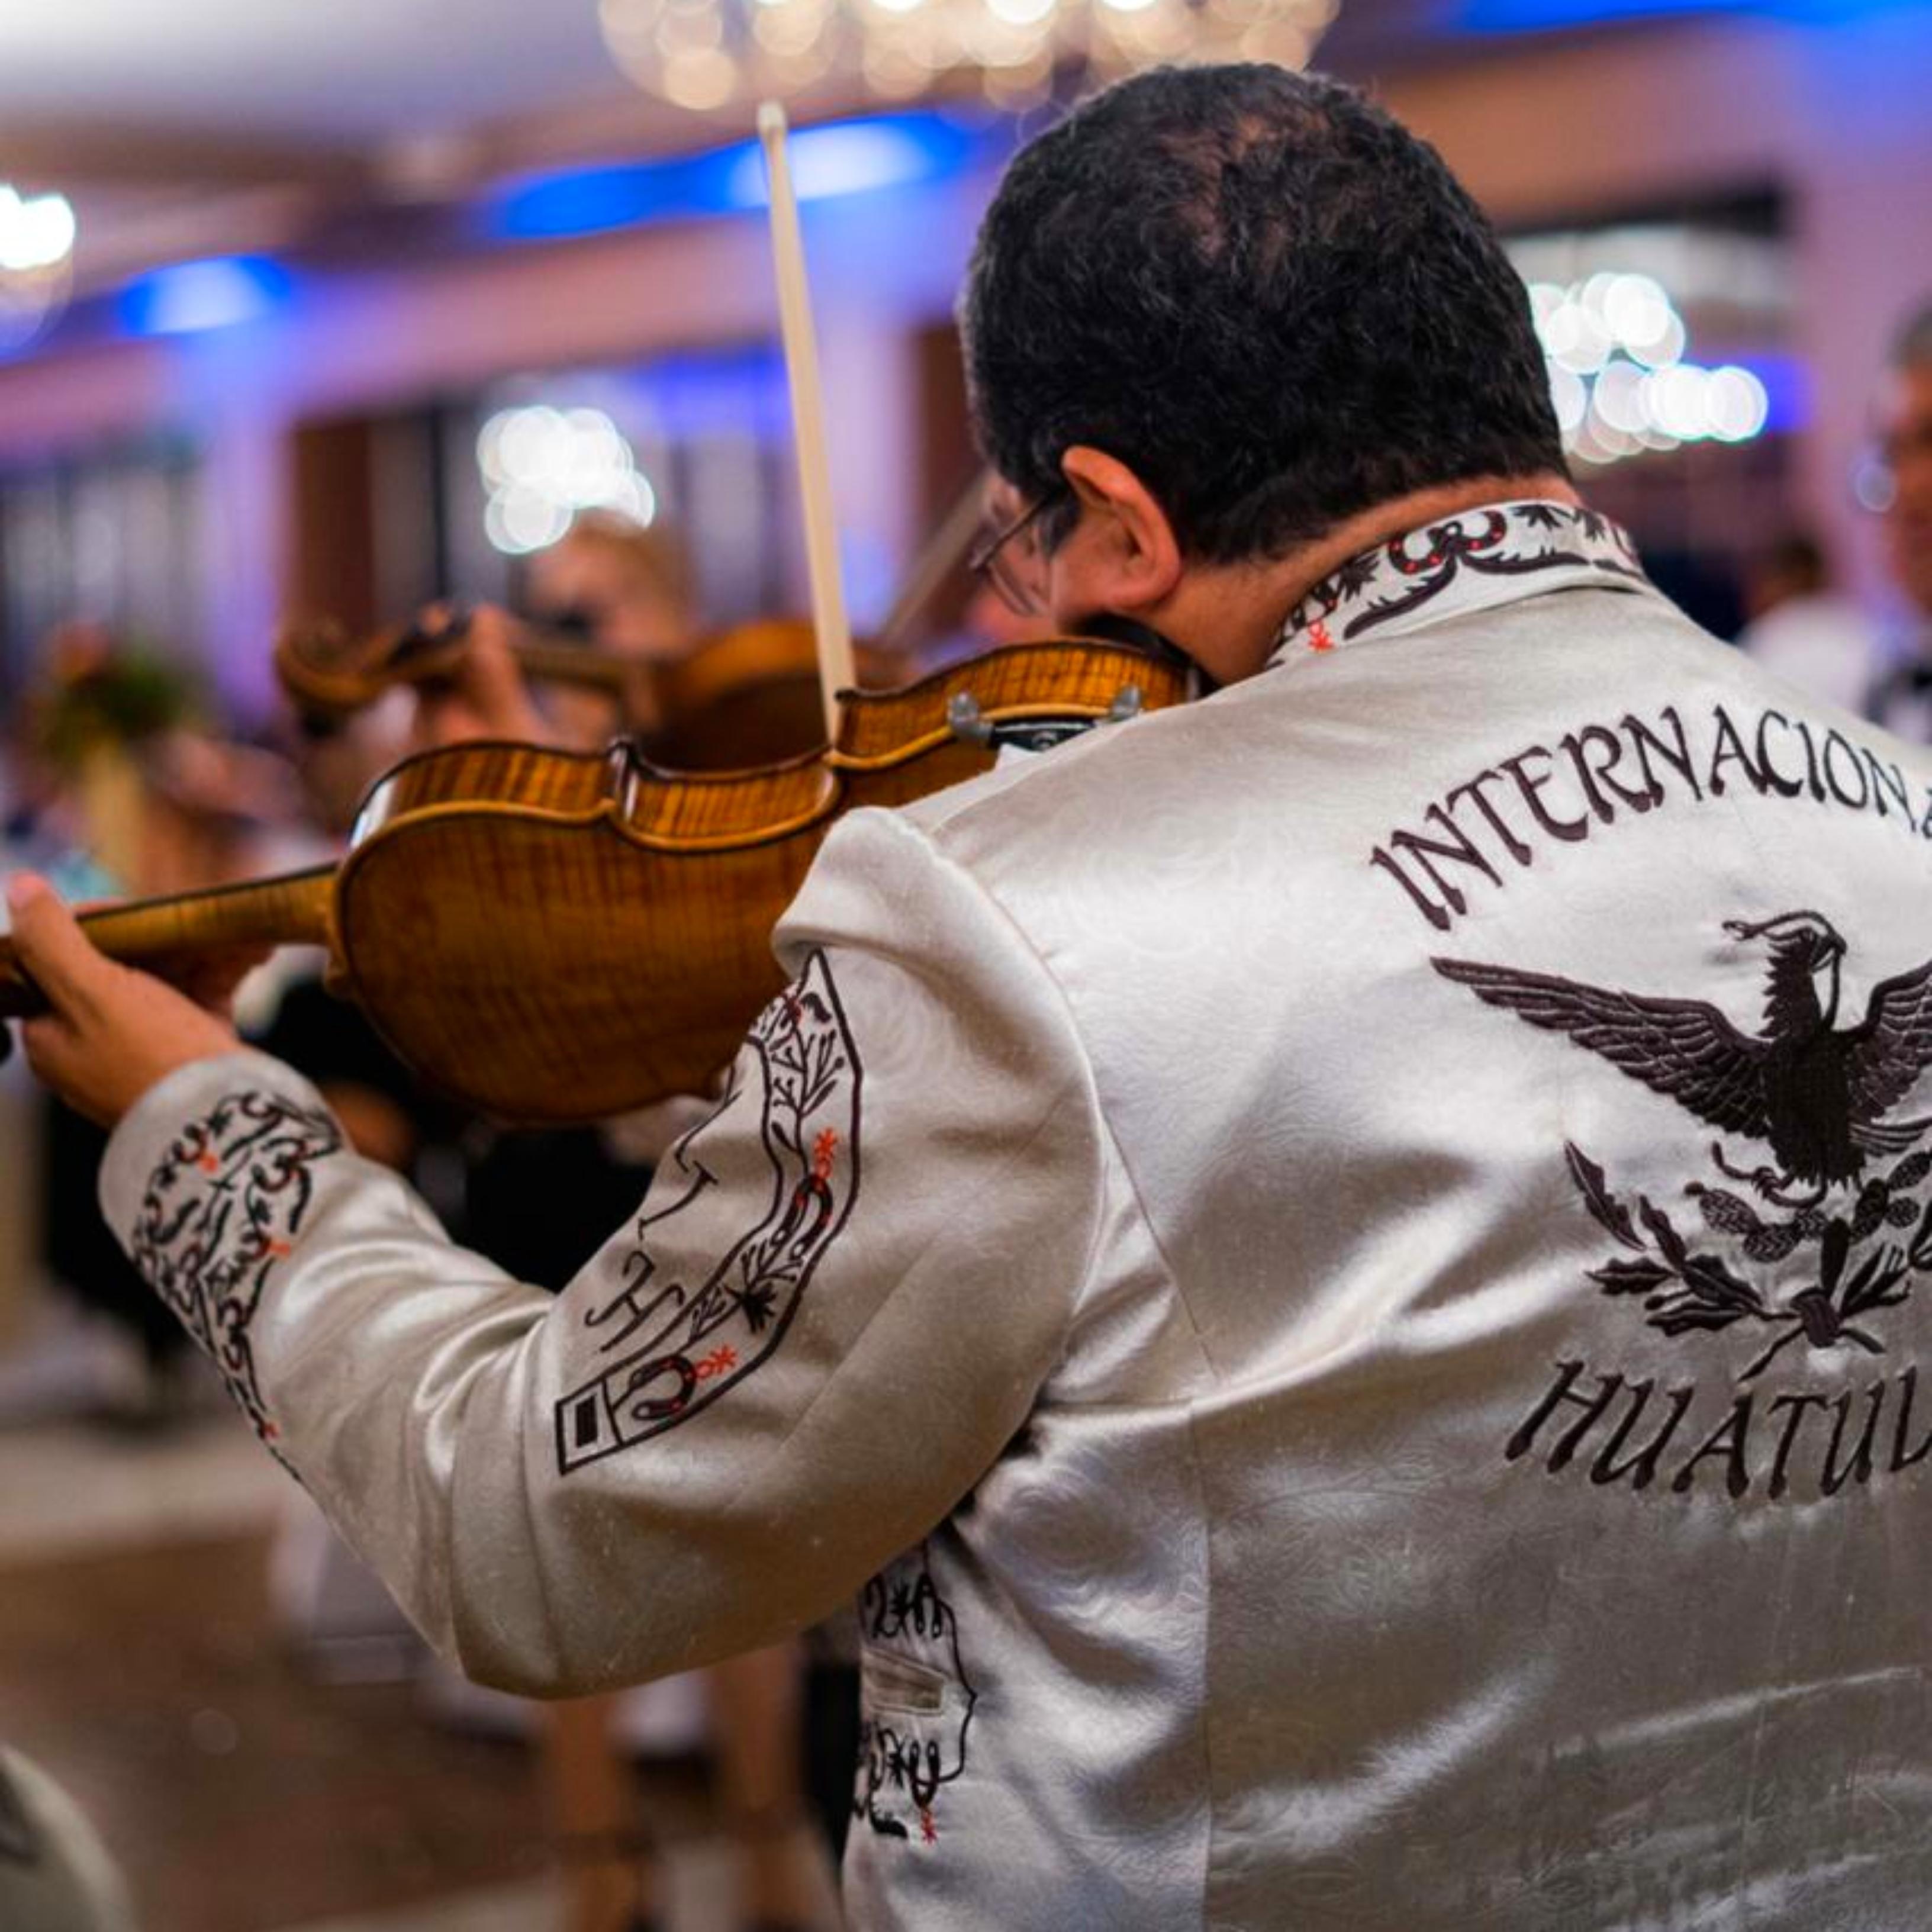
{"points": [[704, 54]]}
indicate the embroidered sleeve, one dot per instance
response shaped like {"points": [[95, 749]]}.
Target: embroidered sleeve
{"points": [[828, 1315], [667, 1347], [220, 1212]]}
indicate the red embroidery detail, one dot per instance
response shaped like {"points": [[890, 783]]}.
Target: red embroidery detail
{"points": [[210, 1250], [1318, 639], [801, 1062], [927, 1830]]}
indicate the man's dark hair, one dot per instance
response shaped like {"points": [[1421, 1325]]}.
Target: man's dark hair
{"points": [[1270, 300]]}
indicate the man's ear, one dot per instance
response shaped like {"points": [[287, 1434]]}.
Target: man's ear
{"points": [[1129, 557]]}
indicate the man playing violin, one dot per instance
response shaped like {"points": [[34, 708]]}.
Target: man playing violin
{"points": [[1330, 1252]]}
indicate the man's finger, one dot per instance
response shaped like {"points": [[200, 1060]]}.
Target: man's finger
{"points": [[49, 942], [488, 675], [46, 1041], [50, 1044]]}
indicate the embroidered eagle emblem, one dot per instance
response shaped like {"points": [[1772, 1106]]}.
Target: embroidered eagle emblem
{"points": [[1817, 1093]]}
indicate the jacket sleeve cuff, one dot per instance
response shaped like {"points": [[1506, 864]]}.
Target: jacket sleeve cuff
{"points": [[141, 1142]]}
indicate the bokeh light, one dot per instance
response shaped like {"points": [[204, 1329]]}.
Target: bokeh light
{"points": [[700, 54], [37, 238], [542, 466], [1614, 347]]}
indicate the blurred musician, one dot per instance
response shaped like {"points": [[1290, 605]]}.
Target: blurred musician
{"points": [[1902, 700], [627, 588], [1803, 630]]}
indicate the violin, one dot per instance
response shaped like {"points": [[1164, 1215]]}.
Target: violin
{"points": [[555, 937], [751, 697], [328, 675]]}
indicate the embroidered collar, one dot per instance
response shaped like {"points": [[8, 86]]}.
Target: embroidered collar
{"points": [[1475, 560]]}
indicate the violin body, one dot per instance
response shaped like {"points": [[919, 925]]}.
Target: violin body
{"points": [[553, 936], [560, 936]]}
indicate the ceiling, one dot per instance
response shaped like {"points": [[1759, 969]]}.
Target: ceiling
{"points": [[234, 77], [214, 126], [331, 73], [185, 127]]}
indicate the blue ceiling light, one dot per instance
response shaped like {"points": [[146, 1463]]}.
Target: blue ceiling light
{"points": [[1532, 16], [854, 157], [593, 201], [837, 158], [185, 297], [1787, 389]]}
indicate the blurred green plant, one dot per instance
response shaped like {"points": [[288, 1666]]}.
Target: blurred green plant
{"points": [[103, 694]]}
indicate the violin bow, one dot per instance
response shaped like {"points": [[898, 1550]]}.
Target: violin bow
{"points": [[830, 624], [944, 553]]}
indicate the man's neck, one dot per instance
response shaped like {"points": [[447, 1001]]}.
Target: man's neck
{"points": [[1227, 617]]}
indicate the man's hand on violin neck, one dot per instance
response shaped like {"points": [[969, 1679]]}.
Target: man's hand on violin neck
{"points": [[485, 696], [112, 1032]]}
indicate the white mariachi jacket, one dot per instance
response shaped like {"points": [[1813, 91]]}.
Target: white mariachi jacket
{"points": [[1347, 1258]]}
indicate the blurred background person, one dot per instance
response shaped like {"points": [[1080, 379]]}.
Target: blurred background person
{"points": [[627, 589], [135, 795], [1804, 630], [1902, 699]]}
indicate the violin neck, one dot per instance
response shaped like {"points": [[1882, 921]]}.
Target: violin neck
{"points": [[556, 661], [292, 910]]}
